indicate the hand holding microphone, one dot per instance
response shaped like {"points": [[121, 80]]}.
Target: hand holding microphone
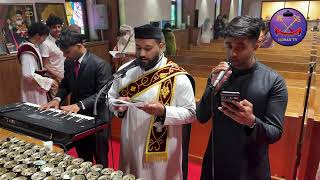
{"points": [[220, 74]]}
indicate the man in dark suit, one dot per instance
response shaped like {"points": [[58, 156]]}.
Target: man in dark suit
{"points": [[85, 74], [243, 128]]}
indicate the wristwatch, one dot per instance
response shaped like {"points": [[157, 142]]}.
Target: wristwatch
{"points": [[81, 106]]}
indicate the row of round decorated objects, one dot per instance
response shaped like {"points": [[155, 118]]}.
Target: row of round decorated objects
{"points": [[20, 160]]}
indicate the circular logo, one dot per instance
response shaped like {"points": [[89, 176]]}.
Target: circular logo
{"points": [[288, 27]]}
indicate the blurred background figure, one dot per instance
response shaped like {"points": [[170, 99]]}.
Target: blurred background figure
{"points": [[267, 41], [225, 19], [76, 28], [315, 28], [170, 40], [206, 32], [126, 47], [219, 26]]}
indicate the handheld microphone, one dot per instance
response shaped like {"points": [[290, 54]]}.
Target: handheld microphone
{"points": [[220, 75]]}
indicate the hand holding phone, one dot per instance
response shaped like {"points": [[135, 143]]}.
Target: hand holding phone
{"points": [[229, 96], [241, 111]]}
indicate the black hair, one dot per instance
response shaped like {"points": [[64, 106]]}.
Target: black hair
{"points": [[243, 26], [38, 28], [68, 38], [53, 20]]}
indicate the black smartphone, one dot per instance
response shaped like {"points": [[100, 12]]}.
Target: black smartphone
{"points": [[229, 96]]}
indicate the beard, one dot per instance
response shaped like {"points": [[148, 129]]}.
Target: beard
{"points": [[19, 22], [150, 64]]}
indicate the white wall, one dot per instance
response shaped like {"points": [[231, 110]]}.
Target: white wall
{"points": [[122, 15], [206, 9], [235, 9], [255, 8], [140, 12], [91, 19], [179, 13]]}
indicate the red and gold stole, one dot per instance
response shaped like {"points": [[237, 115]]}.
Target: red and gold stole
{"points": [[29, 49], [156, 145]]}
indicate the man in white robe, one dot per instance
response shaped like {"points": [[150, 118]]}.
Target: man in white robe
{"points": [[34, 86], [135, 158]]}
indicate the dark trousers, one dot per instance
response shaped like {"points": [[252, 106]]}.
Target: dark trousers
{"points": [[186, 130], [206, 172], [86, 148]]}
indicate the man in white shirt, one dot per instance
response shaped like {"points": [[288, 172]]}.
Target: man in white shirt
{"points": [[52, 56]]}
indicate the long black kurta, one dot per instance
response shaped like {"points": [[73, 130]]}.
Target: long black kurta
{"points": [[241, 153]]}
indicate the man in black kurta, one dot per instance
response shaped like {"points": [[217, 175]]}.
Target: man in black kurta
{"points": [[242, 131]]}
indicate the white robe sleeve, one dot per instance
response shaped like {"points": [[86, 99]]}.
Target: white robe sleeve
{"points": [[28, 63], [183, 111]]}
